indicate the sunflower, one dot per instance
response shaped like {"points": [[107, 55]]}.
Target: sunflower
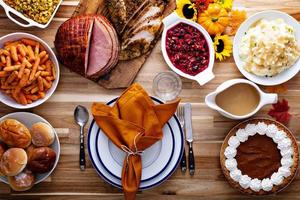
{"points": [[227, 4], [186, 9], [222, 46]]}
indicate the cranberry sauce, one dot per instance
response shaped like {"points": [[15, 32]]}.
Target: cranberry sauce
{"points": [[187, 49]]}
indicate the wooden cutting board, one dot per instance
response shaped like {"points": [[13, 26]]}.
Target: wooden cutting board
{"points": [[125, 72]]}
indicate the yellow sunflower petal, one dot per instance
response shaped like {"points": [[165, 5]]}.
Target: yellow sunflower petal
{"points": [[227, 4]]}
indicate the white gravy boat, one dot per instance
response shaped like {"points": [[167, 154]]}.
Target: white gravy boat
{"points": [[265, 98]]}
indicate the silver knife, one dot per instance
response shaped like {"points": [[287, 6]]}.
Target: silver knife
{"points": [[189, 136]]}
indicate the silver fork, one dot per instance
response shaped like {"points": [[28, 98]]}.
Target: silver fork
{"points": [[180, 115]]}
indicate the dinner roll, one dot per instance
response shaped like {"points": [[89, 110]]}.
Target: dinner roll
{"points": [[21, 182], [42, 134], [13, 161], [2, 149], [41, 159], [14, 133]]}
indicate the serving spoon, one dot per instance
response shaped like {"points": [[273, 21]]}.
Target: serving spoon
{"points": [[81, 116]]}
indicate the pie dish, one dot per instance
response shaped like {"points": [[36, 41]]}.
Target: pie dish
{"points": [[259, 157]]}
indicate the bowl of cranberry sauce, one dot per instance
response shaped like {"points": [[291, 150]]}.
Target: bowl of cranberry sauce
{"points": [[188, 49]]}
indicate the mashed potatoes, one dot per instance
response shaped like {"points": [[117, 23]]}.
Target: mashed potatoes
{"points": [[269, 47]]}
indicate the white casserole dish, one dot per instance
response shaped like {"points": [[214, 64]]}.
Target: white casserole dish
{"points": [[207, 74], [30, 23]]}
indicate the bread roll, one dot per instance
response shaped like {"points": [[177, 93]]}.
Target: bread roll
{"points": [[14, 133], [2, 149], [21, 182], [13, 161], [42, 134], [41, 159]]}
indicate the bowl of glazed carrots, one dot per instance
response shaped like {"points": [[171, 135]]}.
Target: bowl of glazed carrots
{"points": [[29, 71]]}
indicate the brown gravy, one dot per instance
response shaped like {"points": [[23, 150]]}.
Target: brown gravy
{"points": [[239, 99]]}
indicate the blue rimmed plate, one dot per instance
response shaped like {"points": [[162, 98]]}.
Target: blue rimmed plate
{"points": [[159, 161]]}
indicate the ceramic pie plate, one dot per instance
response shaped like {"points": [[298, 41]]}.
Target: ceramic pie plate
{"points": [[108, 165], [276, 188]]}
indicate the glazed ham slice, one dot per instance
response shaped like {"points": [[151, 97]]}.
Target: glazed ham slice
{"points": [[88, 45], [100, 50]]}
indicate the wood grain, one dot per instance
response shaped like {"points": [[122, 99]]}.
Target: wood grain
{"points": [[68, 182]]}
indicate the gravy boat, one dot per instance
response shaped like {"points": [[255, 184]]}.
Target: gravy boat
{"points": [[265, 98]]}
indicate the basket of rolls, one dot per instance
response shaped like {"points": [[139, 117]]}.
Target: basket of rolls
{"points": [[29, 150], [29, 70]]}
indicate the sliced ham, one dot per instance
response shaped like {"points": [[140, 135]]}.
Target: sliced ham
{"points": [[100, 50], [88, 45]]}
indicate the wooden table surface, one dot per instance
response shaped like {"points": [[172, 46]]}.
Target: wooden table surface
{"points": [[68, 182]]}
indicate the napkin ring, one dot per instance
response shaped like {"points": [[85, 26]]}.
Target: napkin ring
{"points": [[129, 151]]}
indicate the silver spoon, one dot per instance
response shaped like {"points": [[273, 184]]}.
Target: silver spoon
{"points": [[81, 116]]}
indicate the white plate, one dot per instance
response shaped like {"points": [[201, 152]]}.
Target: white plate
{"points": [[146, 184], [28, 119], [269, 15], [10, 101], [154, 159]]}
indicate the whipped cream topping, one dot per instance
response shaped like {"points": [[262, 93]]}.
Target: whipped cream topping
{"points": [[236, 175], [266, 184], [250, 129], [276, 178], [255, 184], [284, 144], [230, 152], [230, 164], [234, 141], [241, 135], [245, 181]]}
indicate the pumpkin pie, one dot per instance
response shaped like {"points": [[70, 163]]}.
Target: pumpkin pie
{"points": [[259, 157]]}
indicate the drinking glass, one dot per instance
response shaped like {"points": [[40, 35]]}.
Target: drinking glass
{"points": [[167, 85]]}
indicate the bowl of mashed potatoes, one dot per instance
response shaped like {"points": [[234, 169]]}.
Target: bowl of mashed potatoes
{"points": [[266, 48]]}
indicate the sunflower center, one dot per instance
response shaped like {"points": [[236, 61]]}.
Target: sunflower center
{"points": [[220, 46], [188, 11]]}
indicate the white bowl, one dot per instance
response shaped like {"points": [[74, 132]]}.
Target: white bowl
{"points": [[28, 119], [7, 99], [269, 15], [204, 76], [8, 10]]}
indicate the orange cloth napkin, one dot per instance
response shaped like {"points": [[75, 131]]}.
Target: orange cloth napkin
{"points": [[133, 124]]}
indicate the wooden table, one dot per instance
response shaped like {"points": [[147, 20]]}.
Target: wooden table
{"points": [[68, 182]]}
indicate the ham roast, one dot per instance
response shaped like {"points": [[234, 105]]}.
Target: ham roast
{"points": [[88, 45]]}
